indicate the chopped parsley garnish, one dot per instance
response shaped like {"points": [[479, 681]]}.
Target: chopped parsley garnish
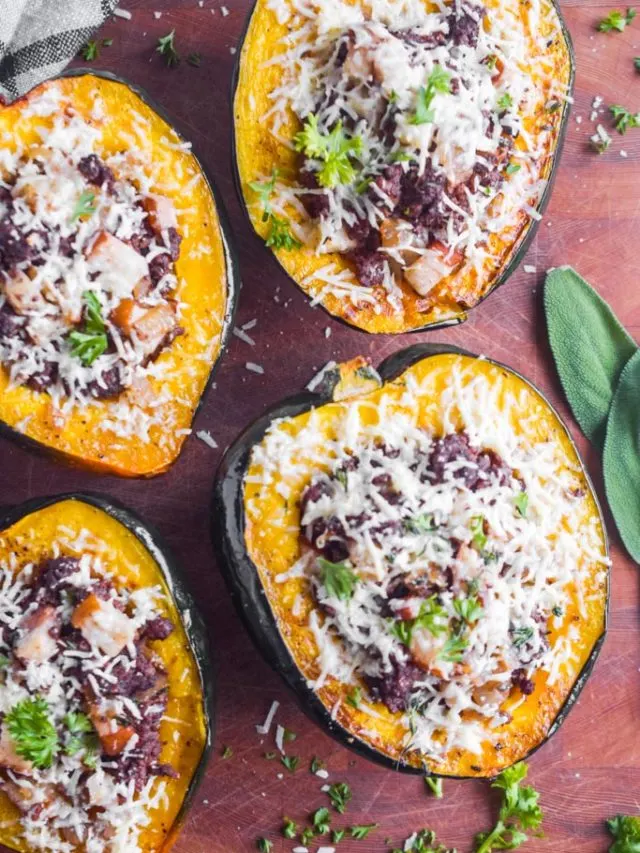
{"points": [[600, 141], [334, 149], [290, 762], [423, 841], [469, 609], [454, 648], [521, 636], [264, 845], [557, 611], [279, 235], [354, 697], [439, 82], [90, 51], [432, 616], [435, 786], [341, 477], [338, 579], [626, 831], [512, 168], [316, 764], [289, 828], [289, 736], [91, 341], [269, 756], [505, 101], [521, 503], [361, 831], [4, 661], [616, 21], [491, 61], [306, 836], [321, 820], [194, 59], [227, 752], [423, 523], [519, 812], [623, 120], [478, 536], [167, 49], [32, 732], [82, 734], [337, 835], [85, 205], [401, 157], [339, 794]]}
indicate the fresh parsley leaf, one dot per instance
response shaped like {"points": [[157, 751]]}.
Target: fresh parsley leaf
{"points": [[342, 477], [521, 503], [521, 636], [616, 21], [623, 120], [227, 752], [82, 734], [90, 760], [90, 341], [337, 835], [306, 836], [439, 82], [625, 829], [290, 762], [264, 845], [512, 168], [454, 648], [77, 723], [167, 49], [265, 189], [557, 611], [32, 732], [289, 828], [478, 536], [90, 51], [194, 59], [338, 579], [280, 236], [435, 786], [519, 812], [600, 141], [469, 609], [288, 736], [423, 841], [361, 831], [339, 794], [403, 630], [84, 206], [354, 697], [504, 101], [321, 820], [334, 149], [432, 616], [423, 523], [316, 764]]}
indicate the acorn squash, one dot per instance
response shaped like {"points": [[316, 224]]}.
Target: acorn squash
{"points": [[87, 526], [339, 534], [139, 430], [336, 212]]}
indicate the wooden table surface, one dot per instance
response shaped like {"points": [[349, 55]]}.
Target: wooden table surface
{"points": [[591, 768]]}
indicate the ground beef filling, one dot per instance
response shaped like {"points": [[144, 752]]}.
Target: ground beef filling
{"points": [[24, 250]]}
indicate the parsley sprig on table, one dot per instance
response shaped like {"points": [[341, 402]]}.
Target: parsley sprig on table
{"points": [[335, 149], [339, 794], [279, 235], [616, 21], [423, 841], [434, 784], [439, 82], [91, 341], [625, 829], [167, 49], [623, 119], [518, 814], [34, 735]]}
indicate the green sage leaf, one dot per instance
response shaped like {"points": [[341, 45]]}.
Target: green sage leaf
{"points": [[621, 457], [589, 345]]}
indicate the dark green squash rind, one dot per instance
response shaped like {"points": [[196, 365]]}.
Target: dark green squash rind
{"points": [[243, 581], [192, 621], [519, 249], [232, 272]]}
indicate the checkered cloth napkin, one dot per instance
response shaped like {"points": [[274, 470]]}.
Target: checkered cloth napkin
{"points": [[39, 37]]}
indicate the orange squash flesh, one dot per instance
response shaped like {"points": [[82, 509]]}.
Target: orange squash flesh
{"points": [[94, 437], [31, 539], [272, 523], [258, 152]]}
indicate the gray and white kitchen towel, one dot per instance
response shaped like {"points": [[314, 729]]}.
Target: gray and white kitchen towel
{"points": [[39, 37]]}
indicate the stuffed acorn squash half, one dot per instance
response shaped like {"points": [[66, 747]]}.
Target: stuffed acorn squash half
{"points": [[116, 279], [420, 553], [105, 683], [396, 156]]}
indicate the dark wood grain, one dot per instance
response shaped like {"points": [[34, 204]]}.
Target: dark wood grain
{"points": [[591, 768]]}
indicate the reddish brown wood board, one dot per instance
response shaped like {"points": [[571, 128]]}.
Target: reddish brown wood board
{"points": [[591, 768]]}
